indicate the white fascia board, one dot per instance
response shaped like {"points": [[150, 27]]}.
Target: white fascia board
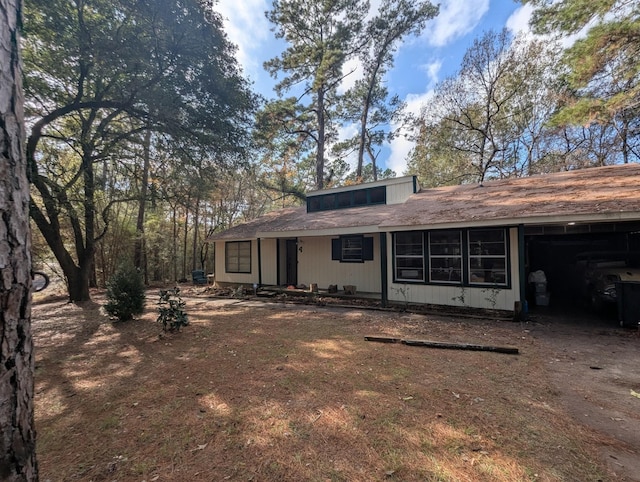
{"points": [[534, 220], [319, 232]]}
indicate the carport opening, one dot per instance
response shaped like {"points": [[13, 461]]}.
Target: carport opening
{"points": [[567, 254]]}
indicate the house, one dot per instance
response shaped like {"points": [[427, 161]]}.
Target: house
{"points": [[472, 245]]}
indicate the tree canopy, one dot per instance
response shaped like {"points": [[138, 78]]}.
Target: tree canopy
{"points": [[603, 71], [98, 73]]}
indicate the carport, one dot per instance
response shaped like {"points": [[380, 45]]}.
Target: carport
{"points": [[557, 250]]}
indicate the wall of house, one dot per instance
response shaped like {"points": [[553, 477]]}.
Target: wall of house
{"points": [[475, 297], [269, 253], [315, 266], [398, 193], [233, 278]]}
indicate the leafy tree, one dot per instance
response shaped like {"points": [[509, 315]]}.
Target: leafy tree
{"points": [[487, 121], [284, 135], [17, 433], [321, 36], [368, 175], [603, 79], [367, 102], [98, 73]]}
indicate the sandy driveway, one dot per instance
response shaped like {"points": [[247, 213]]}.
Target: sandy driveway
{"points": [[596, 369]]}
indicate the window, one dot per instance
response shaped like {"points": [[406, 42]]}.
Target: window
{"points": [[445, 256], [344, 199], [409, 256], [238, 257], [347, 199], [328, 202], [360, 198], [487, 256], [352, 249], [378, 195], [453, 256]]}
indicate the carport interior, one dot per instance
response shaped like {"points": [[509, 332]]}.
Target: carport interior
{"points": [[557, 250]]}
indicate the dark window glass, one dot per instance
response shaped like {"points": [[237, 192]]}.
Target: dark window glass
{"points": [[328, 202], [360, 197], [352, 248], [378, 195], [488, 256], [344, 199], [409, 256], [238, 257], [314, 204], [445, 256]]}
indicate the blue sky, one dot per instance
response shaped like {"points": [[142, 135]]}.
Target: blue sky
{"points": [[420, 62]]}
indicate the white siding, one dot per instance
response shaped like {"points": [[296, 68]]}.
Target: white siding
{"points": [[269, 253], [315, 266], [474, 297], [398, 193], [240, 278]]}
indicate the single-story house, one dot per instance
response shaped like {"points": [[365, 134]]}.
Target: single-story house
{"points": [[472, 245]]}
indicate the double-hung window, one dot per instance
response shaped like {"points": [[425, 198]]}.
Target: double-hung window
{"points": [[445, 256], [409, 256], [238, 257], [352, 249], [487, 256], [452, 256]]}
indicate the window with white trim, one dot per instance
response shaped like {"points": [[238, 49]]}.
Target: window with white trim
{"points": [[487, 256], [352, 249], [409, 256], [454, 256], [237, 256], [445, 256]]}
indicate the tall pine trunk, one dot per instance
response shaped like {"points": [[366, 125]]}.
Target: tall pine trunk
{"points": [[17, 433], [321, 132]]}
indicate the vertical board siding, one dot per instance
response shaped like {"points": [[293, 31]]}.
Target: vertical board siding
{"points": [[315, 266], [240, 278], [269, 261], [398, 193]]}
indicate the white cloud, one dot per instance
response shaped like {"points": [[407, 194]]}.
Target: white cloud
{"points": [[518, 22], [432, 70], [347, 132], [401, 146], [352, 71], [248, 28], [456, 18]]}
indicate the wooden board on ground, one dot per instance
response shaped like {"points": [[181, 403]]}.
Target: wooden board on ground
{"points": [[444, 345]]}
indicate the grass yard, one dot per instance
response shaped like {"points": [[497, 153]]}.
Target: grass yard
{"points": [[266, 392]]}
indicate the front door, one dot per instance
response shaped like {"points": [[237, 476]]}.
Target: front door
{"points": [[292, 262]]}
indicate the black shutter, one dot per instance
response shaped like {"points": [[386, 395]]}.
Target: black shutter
{"points": [[336, 249], [367, 249]]}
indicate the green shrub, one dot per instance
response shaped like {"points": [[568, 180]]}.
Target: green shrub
{"points": [[125, 293], [171, 308]]}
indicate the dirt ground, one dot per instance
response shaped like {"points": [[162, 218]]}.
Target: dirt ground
{"points": [[285, 391], [594, 365]]}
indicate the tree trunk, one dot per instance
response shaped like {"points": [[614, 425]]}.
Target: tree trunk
{"points": [[320, 152], [185, 242], [174, 244], [139, 258], [196, 227], [17, 434]]}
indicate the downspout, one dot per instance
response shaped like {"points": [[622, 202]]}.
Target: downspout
{"points": [[384, 282]]}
